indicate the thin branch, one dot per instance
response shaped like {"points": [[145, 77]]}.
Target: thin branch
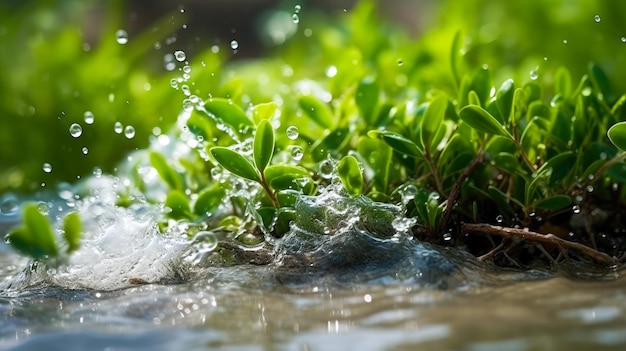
{"points": [[456, 188], [525, 234]]}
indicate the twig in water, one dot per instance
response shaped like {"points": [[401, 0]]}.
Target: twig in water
{"points": [[525, 234]]}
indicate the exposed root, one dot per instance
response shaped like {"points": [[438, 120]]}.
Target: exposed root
{"points": [[538, 238]]}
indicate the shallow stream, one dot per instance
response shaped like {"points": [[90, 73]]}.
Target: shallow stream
{"points": [[351, 290]]}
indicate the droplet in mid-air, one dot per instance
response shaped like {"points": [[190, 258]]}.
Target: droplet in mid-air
{"points": [[296, 152], [121, 36], [85, 150], [47, 167], [234, 44], [597, 18], [295, 18], [326, 169], [292, 132], [118, 128], [180, 55], [76, 130], [89, 117], [623, 39], [129, 132], [297, 8]]}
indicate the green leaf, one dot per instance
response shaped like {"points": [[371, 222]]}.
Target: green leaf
{"points": [[263, 145], [432, 119], [35, 237], [554, 203], [398, 143], [167, 173], [350, 175], [562, 82], [265, 111], [334, 140], [504, 99], [317, 111], [179, 203], [235, 163], [226, 112], [377, 155], [209, 200], [482, 121], [366, 99], [617, 135], [455, 53], [501, 200], [72, 228]]}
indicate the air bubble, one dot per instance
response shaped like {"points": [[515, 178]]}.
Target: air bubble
{"points": [[296, 152], [121, 36], [76, 130], [180, 55], [47, 167], [295, 18], [597, 18], [129, 132], [292, 132], [118, 128], [234, 44], [89, 117]]}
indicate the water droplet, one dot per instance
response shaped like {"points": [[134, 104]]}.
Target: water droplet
{"points": [[447, 237], [89, 117], [292, 132], [564, 41], [187, 105], [129, 132], [85, 150], [187, 69], [296, 152], [8, 205], [215, 49], [180, 55], [576, 209], [205, 241], [297, 8], [43, 208], [174, 83], [76, 130], [331, 71], [586, 91], [295, 18], [533, 73], [499, 219], [590, 188], [403, 224], [408, 193], [623, 39], [118, 128], [597, 18], [121, 36], [326, 169], [234, 44], [47, 167], [185, 89]]}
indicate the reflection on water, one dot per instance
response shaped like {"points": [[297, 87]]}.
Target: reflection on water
{"points": [[241, 308]]}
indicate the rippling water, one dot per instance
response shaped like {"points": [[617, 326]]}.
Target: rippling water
{"points": [[353, 290]]}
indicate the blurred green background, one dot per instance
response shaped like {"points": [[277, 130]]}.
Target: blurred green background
{"points": [[61, 61]]}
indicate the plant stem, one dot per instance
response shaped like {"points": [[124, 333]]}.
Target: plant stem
{"points": [[268, 191]]}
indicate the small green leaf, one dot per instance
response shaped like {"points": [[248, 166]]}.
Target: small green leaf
{"points": [[479, 119], [562, 82], [366, 99], [317, 111], [167, 173], [334, 140], [455, 53], [617, 135], [178, 202], [226, 112], [265, 111], [72, 228], [350, 175], [235, 163], [398, 143], [263, 145], [209, 200], [554, 203], [504, 99], [35, 237], [432, 119], [377, 155], [501, 200]]}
